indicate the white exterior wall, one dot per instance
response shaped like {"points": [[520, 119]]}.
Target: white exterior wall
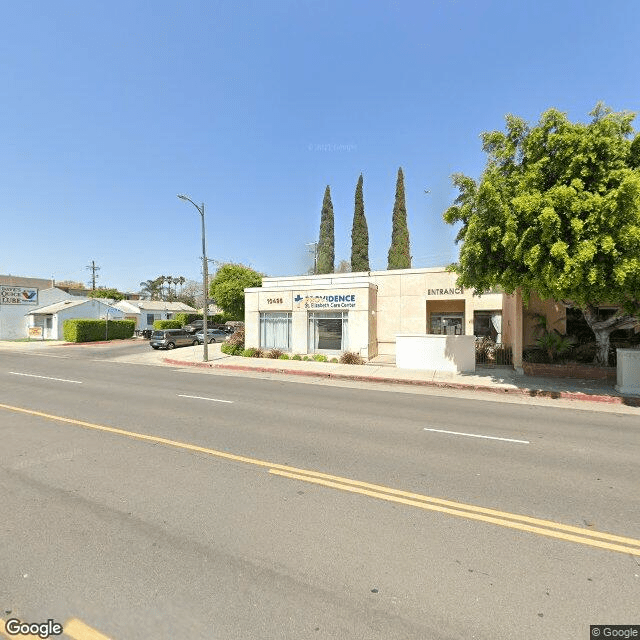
{"points": [[15, 319], [436, 353], [92, 310], [275, 299]]}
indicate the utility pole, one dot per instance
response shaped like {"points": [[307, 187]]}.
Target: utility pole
{"points": [[315, 255], [92, 267]]}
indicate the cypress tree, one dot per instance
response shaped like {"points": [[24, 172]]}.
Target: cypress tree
{"points": [[399, 253], [326, 252], [359, 234]]}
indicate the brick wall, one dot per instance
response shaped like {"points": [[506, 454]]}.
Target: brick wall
{"points": [[582, 371]]}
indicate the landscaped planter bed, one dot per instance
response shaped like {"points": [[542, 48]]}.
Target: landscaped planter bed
{"points": [[572, 370]]}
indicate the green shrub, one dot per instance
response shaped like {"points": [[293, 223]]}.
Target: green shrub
{"points": [[167, 324], [273, 353], [186, 318], [248, 353], [305, 358], [318, 357], [231, 349], [283, 356], [296, 357], [333, 360], [348, 357], [86, 330], [237, 338]]}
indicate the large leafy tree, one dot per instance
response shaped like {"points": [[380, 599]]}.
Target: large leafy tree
{"points": [[326, 250], [228, 285], [152, 289], [399, 252], [557, 211], [113, 294], [359, 233]]}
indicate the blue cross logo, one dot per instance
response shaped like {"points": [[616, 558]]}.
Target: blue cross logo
{"points": [[298, 298]]}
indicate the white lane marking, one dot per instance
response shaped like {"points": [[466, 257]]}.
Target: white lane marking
{"points": [[475, 435], [31, 375], [201, 398]]}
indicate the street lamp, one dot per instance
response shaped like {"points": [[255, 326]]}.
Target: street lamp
{"points": [[205, 275]]}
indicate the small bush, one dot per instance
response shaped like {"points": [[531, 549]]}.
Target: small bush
{"points": [[318, 357], [348, 357], [333, 360], [283, 356], [274, 353], [297, 357], [167, 324], [248, 353], [306, 358], [258, 353], [231, 349]]}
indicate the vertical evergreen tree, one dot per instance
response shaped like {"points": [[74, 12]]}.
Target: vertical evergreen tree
{"points": [[326, 251], [399, 252], [359, 234]]}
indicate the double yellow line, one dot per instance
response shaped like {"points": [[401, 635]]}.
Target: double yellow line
{"points": [[537, 526], [492, 516]]}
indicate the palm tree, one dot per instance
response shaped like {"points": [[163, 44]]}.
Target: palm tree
{"points": [[170, 282], [149, 289], [161, 280]]}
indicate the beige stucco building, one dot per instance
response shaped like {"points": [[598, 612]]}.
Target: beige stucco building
{"points": [[365, 312]]}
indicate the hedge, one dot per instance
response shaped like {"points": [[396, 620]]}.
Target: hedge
{"points": [[167, 324], [186, 318], [85, 330]]}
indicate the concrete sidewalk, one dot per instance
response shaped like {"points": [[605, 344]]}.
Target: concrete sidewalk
{"points": [[502, 380]]}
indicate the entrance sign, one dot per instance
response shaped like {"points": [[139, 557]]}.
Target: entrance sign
{"points": [[451, 291]]}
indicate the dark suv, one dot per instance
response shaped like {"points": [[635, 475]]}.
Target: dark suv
{"points": [[171, 338]]}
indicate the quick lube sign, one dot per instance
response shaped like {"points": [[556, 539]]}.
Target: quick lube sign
{"points": [[18, 295], [326, 301]]}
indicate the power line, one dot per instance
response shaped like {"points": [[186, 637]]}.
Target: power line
{"points": [[92, 267]]}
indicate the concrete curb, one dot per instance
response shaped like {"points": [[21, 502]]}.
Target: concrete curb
{"points": [[441, 384], [89, 344]]}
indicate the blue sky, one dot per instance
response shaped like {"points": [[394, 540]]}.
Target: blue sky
{"points": [[111, 109]]}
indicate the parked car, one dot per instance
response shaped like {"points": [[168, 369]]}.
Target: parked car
{"points": [[215, 335], [171, 338], [194, 326]]}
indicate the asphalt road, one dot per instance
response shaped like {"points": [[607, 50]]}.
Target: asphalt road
{"points": [[231, 507]]}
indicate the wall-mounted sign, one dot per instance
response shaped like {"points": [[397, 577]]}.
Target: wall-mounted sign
{"points": [[326, 301], [18, 295], [451, 291], [35, 332]]}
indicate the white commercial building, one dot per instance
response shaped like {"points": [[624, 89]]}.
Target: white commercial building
{"points": [[371, 313]]}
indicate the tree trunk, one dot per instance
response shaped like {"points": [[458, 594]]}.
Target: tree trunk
{"points": [[603, 329]]}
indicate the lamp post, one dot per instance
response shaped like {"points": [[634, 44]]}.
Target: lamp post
{"points": [[205, 275]]}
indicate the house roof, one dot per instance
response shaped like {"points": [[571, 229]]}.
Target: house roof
{"points": [[64, 304], [159, 305]]}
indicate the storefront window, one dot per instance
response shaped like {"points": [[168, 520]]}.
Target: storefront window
{"points": [[275, 331], [448, 324], [488, 324], [328, 331]]}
